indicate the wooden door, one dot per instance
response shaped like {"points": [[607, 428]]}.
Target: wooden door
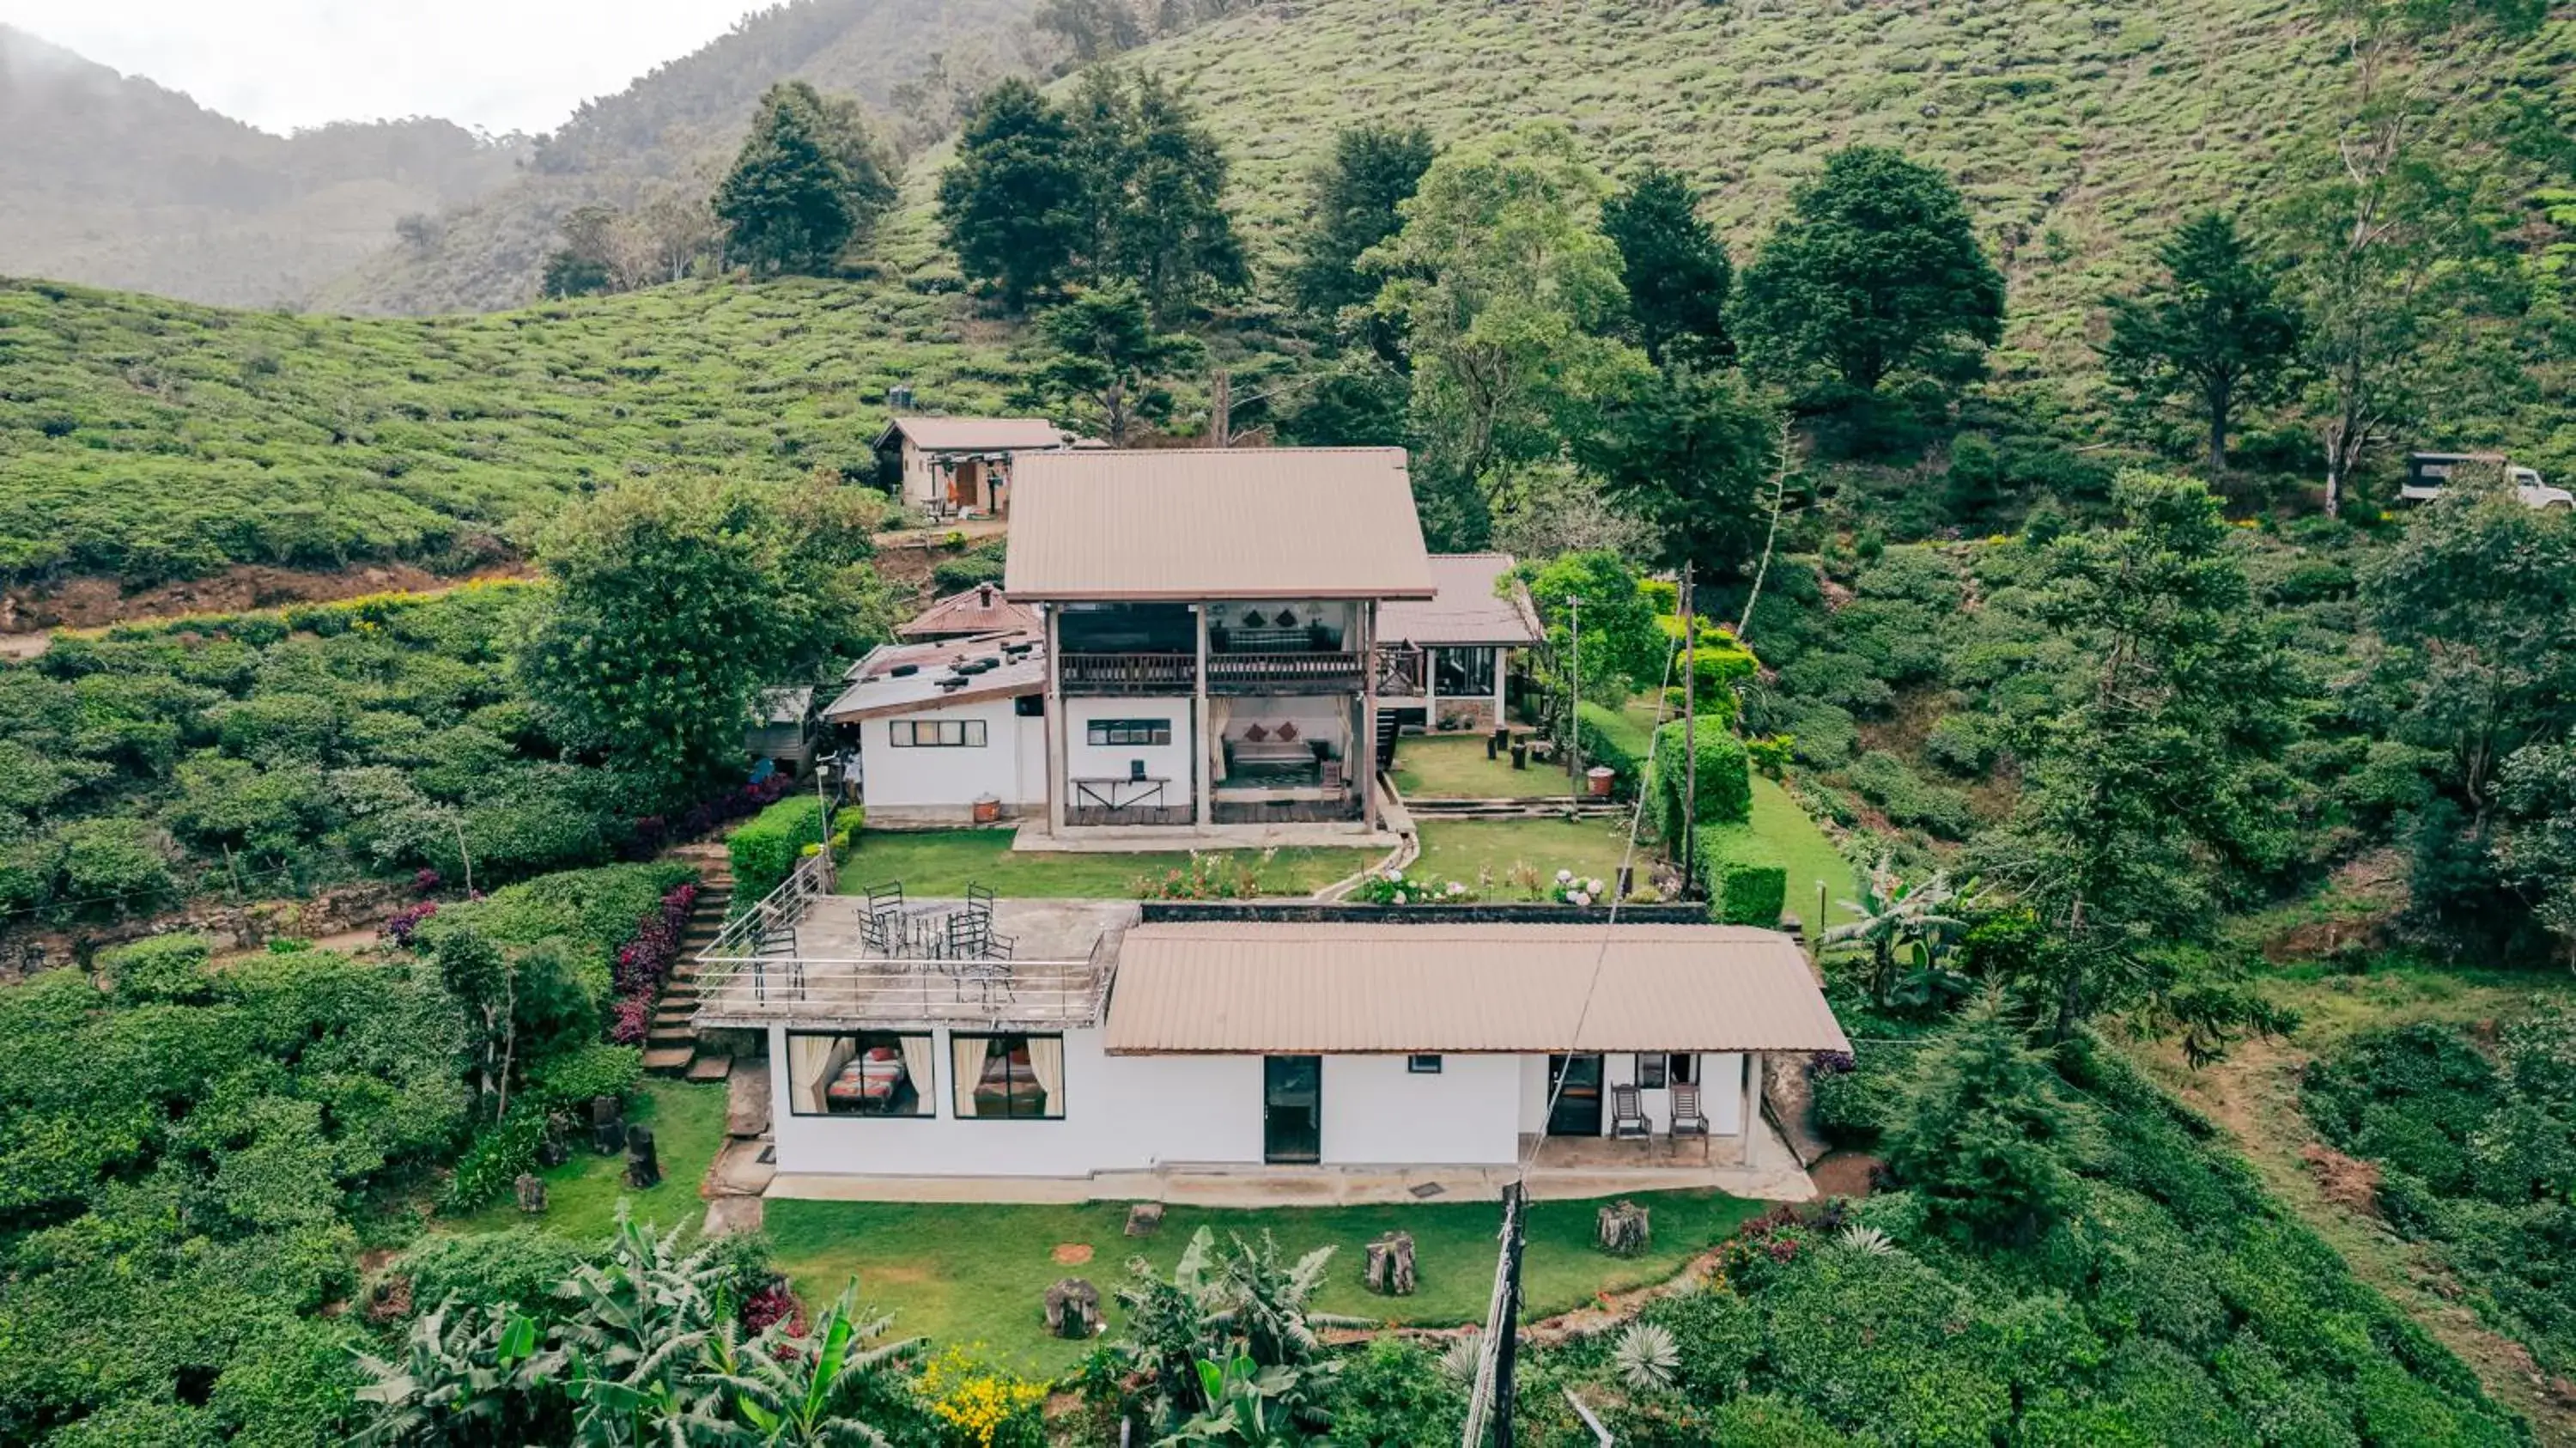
{"points": [[1574, 1085]]}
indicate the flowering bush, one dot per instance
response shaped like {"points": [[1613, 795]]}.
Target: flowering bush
{"points": [[1393, 888], [1209, 877], [645, 962], [399, 925], [771, 1305], [425, 882], [630, 1020], [1572, 889], [983, 1407]]}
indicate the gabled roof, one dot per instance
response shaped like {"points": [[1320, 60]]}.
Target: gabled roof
{"points": [[904, 678], [1215, 523], [1288, 988], [979, 610], [1469, 610], [975, 434]]}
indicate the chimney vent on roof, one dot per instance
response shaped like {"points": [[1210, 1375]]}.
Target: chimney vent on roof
{"points": [[984, 595]]}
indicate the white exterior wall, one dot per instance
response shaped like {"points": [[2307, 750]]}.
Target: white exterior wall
{"points": [[1109, 761], [1134, 1113], [1378, 1113], [1121, 1113], [919, 486], [940, 785]]}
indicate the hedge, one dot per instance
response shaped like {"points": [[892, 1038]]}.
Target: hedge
{"points": [[1746, 892], [765, 850], [1725, 781]]}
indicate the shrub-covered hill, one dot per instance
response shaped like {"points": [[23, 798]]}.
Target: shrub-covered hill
{"points": [[2076, 130], [155, 439]]}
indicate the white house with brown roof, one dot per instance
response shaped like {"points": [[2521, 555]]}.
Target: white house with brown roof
{"points": [[948, 732], [1080, 1049], [953, 466], [1453, 651], [1211, 621]]}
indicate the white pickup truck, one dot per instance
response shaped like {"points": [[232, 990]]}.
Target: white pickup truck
{"points": [[2428, 473]]}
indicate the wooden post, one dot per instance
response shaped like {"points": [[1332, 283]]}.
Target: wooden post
{"points": [[1752, 1105], [1690, 743], [1202, 773], [1367, 750], [1058, 727], [1221, 409]]}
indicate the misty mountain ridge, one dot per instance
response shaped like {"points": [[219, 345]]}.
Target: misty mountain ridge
{"points": [[117, 181]]}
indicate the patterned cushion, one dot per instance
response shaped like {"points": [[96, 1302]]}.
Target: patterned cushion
{"points": [[1256, 733], [1286, 732]]}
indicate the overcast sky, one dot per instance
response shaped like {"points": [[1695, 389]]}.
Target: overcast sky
{"points": [[280, 64]]}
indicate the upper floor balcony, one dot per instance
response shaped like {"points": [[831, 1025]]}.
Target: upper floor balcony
{"points": [[1311, 671]]}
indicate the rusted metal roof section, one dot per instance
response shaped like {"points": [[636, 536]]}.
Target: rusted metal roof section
{"points": [[1476, 606], [1463, 989], [977, 434], [1215, 523], [979, 610]]}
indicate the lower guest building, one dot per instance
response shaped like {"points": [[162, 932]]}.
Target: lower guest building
{"points": [[1082, 1042]]}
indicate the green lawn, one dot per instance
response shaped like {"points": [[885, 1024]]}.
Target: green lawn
{"points": [[1456, 768], [1791, 839], [1460, 849], [973, 1274], [581, 1195], [939, 863]]}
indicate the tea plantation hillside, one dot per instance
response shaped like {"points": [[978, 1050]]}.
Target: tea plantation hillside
{"points": [[2075, 130], [154, 439]]}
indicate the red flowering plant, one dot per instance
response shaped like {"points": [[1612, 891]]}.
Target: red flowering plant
{"points": [[399, 925]]}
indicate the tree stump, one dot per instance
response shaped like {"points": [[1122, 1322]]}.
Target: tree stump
{"points": [[1623, 1229], [607, 1125], [643, 1165], [531, 1189], [1073, 1308], [1390, 1265], [552, 1151], [1144, 1219]]}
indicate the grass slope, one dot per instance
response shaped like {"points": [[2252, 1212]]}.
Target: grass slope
{"points": [[974, 1274], [2075, 130], [156, 439], [942, 863]]}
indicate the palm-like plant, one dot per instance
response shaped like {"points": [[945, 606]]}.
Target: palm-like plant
{"points": [[805, 1392], [461, 1379], [635, 1340], [1251, 1304], [1247, 1404], [1897, 922]]}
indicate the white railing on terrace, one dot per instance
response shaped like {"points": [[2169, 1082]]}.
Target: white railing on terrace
{"points": [[757, 989], [745, 934]]}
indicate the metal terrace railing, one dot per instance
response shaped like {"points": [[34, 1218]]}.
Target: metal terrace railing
{"points": [[760, 989], [774, 918], [1082, 673], [1267, 672]]}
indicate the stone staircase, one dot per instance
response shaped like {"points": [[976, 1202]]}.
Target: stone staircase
{"points": [[672, 1048]]}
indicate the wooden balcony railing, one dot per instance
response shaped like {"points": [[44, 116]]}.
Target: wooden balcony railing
{"points": [[1265, 673], [1128, 673]]}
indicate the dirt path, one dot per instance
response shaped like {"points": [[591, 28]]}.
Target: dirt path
{"points": [[2254, 1094], [88, 605]]}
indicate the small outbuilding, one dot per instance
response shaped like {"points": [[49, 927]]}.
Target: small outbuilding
{"points": [[960, 466]]}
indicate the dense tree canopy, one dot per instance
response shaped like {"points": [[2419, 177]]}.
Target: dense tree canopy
{"points": [[1011, 203], [2215, 324], [1675, 268], [1875, 270], [1356, 195], [809, 181], [1106, 365]]}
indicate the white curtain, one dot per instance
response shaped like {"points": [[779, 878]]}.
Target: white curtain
{"points": [[966, 1053], [1046, 1062], [920, 1054], [1220, 714], [811, 1060]]}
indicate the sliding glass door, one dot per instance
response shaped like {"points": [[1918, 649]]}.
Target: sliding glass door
{"points": [[1292, 1108]]}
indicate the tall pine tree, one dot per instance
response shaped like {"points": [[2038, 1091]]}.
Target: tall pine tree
{"points": [[1675, 267], [1357, 192], [2215, 325], [1012, 205], [806, 182]]}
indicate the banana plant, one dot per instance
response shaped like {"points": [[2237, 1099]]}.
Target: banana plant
{"points": [[459, 1380], [805, 1392], [1247, 1404], [1914, 925]]}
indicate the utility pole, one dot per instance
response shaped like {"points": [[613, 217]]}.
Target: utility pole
{"points": [[1574, 695], [1221, 409], [1496, 1364], [1690, 742]]}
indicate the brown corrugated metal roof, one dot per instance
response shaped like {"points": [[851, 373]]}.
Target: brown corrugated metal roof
{"points": [[978, 434], [1215, 523], [1325, 988], [979, 610], [1469, 609], [877, 691]]}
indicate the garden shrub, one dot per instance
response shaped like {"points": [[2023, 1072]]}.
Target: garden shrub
{"points": [[1719, 1336], [1743, 890], [1767, 1420], [1964, 744], [1725, 782], [520, 1265], [1907, 801], [1854, 1103], [163, 968], [765, 850], [1870, 1340], [571, 1078], [494, 1161]]}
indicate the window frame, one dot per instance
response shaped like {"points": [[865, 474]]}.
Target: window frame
{"points": [[1489, 667], [1414, 1063], [1054, 1099], [1143, 731], [906, 734], [1663, 1070], [1681, 1068], [927, 1097]]}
